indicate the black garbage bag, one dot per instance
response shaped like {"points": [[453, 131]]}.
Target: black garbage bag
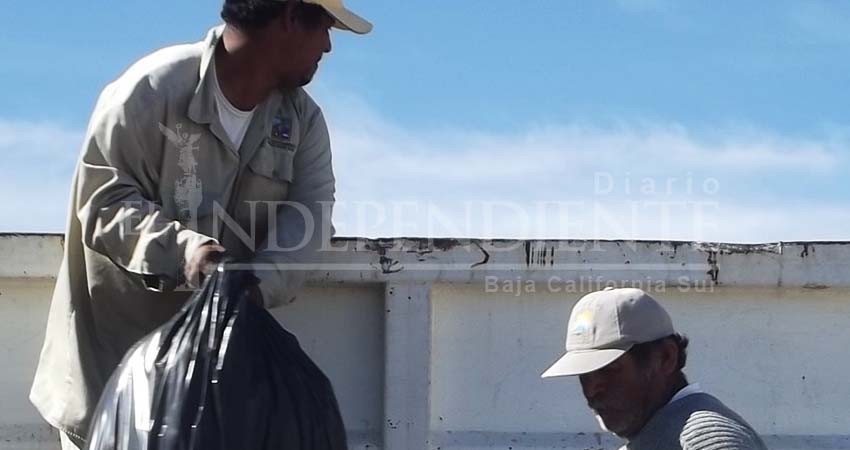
{"points": [[222, 374]]}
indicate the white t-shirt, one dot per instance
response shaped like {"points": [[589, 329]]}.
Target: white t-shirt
{"points": [[234, 120]]}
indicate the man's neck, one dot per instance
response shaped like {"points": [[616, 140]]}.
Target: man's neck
{"points": [[675, 387], [242, 75], [661, 401]]}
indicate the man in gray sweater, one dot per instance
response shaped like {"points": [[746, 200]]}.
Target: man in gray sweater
{"points": [[622, 345]]}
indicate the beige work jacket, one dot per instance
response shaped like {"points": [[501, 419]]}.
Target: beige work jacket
{"points": [[157, 178]]}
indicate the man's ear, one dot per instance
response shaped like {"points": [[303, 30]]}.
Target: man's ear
{"points": [[288, 19], [669, 357]]}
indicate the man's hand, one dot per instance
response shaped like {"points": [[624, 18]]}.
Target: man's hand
{"points": [[203, 262]]}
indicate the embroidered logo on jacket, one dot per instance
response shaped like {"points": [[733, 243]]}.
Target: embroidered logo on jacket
{"points": [[281, 128]]}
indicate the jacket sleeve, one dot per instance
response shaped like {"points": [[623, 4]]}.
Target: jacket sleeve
{"points": [[117, 201], [303, 224]]}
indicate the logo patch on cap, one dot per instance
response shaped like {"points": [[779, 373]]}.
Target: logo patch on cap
{"points": [[581, 332], [583, 322]]}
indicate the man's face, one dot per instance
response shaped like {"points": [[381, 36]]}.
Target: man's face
{"points": [[621, 395], [299, 50]]}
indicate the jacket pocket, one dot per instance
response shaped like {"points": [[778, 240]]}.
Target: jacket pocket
{"points": [[274, 162]]}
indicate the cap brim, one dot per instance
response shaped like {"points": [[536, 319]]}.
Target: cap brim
{"points": [[347, 20], [579, 362]]}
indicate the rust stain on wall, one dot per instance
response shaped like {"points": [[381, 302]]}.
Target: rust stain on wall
{"points": [[714, 271]]}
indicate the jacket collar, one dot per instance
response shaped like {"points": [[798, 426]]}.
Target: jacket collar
{"points": [[202, 106]]}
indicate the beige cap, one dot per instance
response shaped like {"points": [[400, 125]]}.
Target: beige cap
{"points": [[604, 325], [345, 19]]}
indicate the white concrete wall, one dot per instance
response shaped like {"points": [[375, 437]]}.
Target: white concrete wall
{"points": [[770, 354], [23, 313], [439, 344]]}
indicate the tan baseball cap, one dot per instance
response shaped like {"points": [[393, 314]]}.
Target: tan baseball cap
{"points": [[345, 19], [604, 325]]}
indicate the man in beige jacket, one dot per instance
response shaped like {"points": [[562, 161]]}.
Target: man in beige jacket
{"points": [[195, 151]]}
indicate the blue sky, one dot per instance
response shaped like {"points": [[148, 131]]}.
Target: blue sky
{"points": [[469, 118]]}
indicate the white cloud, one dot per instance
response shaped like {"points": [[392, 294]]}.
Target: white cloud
{"points": [[554, 149], [628, 181], [35, 177], [632, 180], [44, 140]]}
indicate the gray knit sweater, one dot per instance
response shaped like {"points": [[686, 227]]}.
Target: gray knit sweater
{"points": [[696, 422]]}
